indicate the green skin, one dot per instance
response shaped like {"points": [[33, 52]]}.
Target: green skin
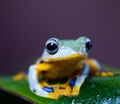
{"points": [[73, 44]]}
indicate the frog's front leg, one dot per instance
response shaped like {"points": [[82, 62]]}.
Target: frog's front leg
{"points": [[77, 82], [34, 85]]}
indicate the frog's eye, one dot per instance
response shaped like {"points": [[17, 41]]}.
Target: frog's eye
{"points": [[88, 44], [52, 46]]}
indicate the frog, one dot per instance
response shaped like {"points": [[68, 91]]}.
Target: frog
{"points": [[66, 63]]}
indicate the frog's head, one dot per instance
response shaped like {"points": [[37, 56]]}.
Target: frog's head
{"points": [[56, 49]]}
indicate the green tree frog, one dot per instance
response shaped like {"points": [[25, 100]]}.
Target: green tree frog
{"points": [[66, 63]]}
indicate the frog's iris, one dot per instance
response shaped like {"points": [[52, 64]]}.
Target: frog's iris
{"points": [[52, 46], [88, 44]]}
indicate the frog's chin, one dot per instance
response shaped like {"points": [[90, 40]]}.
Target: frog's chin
{"points": [[73, 57]]}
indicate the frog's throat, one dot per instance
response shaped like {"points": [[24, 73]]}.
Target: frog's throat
{"points": [[72, 57]]}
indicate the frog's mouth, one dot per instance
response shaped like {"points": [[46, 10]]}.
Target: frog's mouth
{"points": [[73, 57]]}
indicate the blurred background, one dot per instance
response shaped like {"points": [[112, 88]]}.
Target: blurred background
{"points": [[25, 25]]}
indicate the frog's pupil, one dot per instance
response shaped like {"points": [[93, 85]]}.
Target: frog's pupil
{"points": [[52, 47], [88, 45]]}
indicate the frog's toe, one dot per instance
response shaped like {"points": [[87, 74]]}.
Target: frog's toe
{"points": [[20, 76], [75, 91], [67, 91], [55, 94]]}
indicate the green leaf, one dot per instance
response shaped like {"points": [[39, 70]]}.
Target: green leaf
{"points": [[95, 90]]}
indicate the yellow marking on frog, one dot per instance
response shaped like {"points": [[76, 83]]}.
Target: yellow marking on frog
{"points": [[43, 67], [104, 74], [75, 91], [110, 73], [56, 68]]}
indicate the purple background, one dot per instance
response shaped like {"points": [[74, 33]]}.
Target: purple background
{"points": [[25, 25]]}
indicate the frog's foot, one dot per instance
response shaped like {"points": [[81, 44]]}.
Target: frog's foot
{"points": [[107, 73], [20, 76], [60, 92]]}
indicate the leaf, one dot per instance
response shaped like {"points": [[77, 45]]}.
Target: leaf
{"points": [[95, 90]]}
